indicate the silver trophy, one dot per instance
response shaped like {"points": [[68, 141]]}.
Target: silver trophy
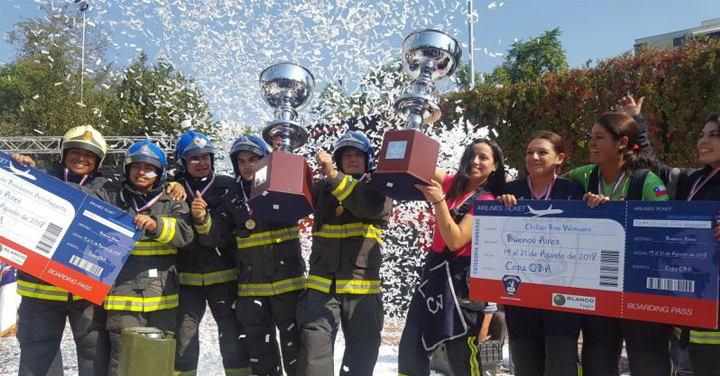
{"points": [[428, 57], [287, 88]]}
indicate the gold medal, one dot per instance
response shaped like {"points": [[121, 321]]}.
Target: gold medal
{"points": [[339, 211], [250, 224]]}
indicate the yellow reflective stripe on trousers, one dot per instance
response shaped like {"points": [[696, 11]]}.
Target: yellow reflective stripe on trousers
{"points": [[343, 286], [474, 364], [705, 338], [185, 373], [153, 249], [350, 230], [269, 289], [268, 237], [203, 228], [345, 187], [318, 283], [247, 371], [40, 291], [207, 279], [168, 231], [139, 304], [356, 286]]}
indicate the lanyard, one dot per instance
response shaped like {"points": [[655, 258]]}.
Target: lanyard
{"points": [[187, 186], [148, 205], [84, 179], [546, 194], [617, 185], [245, 199], [698, 185]]}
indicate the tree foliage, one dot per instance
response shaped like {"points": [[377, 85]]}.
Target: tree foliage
{"points": [[679, 86], [528, 61], [40, 90]]}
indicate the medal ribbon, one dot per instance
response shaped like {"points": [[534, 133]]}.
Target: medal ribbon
{"points": [[245, 199], [148, 205], [617, 185], [698, 185], [83, 181], [209, 184], [546, 194]]}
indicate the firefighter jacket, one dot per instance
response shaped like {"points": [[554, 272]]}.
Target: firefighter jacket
{"points": [[199, 265], [34, 287], [148, 281], [710, 191], [269, 259], [346, 242]]}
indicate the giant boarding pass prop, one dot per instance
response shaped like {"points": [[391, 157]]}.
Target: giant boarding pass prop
{"points": [[640, 260], [60, 234]]}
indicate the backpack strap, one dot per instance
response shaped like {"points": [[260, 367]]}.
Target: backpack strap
{"points": [[635, 190]]}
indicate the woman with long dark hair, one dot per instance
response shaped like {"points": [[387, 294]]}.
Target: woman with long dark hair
{"points": [[455, 323], [543, 342], [619, 171]]}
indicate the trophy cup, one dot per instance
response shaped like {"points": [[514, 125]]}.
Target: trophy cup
{"points": [[408, 156], [281, 190]]}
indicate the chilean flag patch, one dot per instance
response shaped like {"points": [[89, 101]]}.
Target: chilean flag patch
{"points": [[660, 191]]}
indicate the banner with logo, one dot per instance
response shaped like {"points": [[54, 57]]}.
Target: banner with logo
{"points": [[641, 260], [59, 233]]}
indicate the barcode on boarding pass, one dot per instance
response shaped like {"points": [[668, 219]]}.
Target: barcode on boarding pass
{"points": [[86, 265], [679, 285], [48, 238]]}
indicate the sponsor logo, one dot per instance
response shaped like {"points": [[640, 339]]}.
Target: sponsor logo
{"points": [[586, 303], [511, 284]]}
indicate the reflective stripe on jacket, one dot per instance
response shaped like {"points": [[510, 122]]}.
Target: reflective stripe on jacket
{"points": [[346, 242], [268, 256], [148, 281]]}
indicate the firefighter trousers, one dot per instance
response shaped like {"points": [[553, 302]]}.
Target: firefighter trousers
{"points": [[40, 330], [320, 314], [543, 342], [119, 320], [221, 299], [647, 345], [705, 359], [259, 316], [463, 357]]}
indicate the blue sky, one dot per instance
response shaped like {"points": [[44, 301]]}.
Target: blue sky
{"points": [[224, 44]]}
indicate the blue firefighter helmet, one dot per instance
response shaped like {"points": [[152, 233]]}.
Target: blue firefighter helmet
{"points": [[191, 144], [357, 140], [146, 151], [247, 142]]}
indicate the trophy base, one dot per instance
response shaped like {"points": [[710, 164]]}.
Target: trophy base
{"points": [[407, 157], [281, 190]]}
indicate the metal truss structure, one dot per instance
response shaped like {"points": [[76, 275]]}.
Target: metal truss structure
{"points": [[51, 144]]}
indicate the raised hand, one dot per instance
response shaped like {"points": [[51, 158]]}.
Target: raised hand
{"points": [[325, 163], [198, 206], [629, 106]]}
